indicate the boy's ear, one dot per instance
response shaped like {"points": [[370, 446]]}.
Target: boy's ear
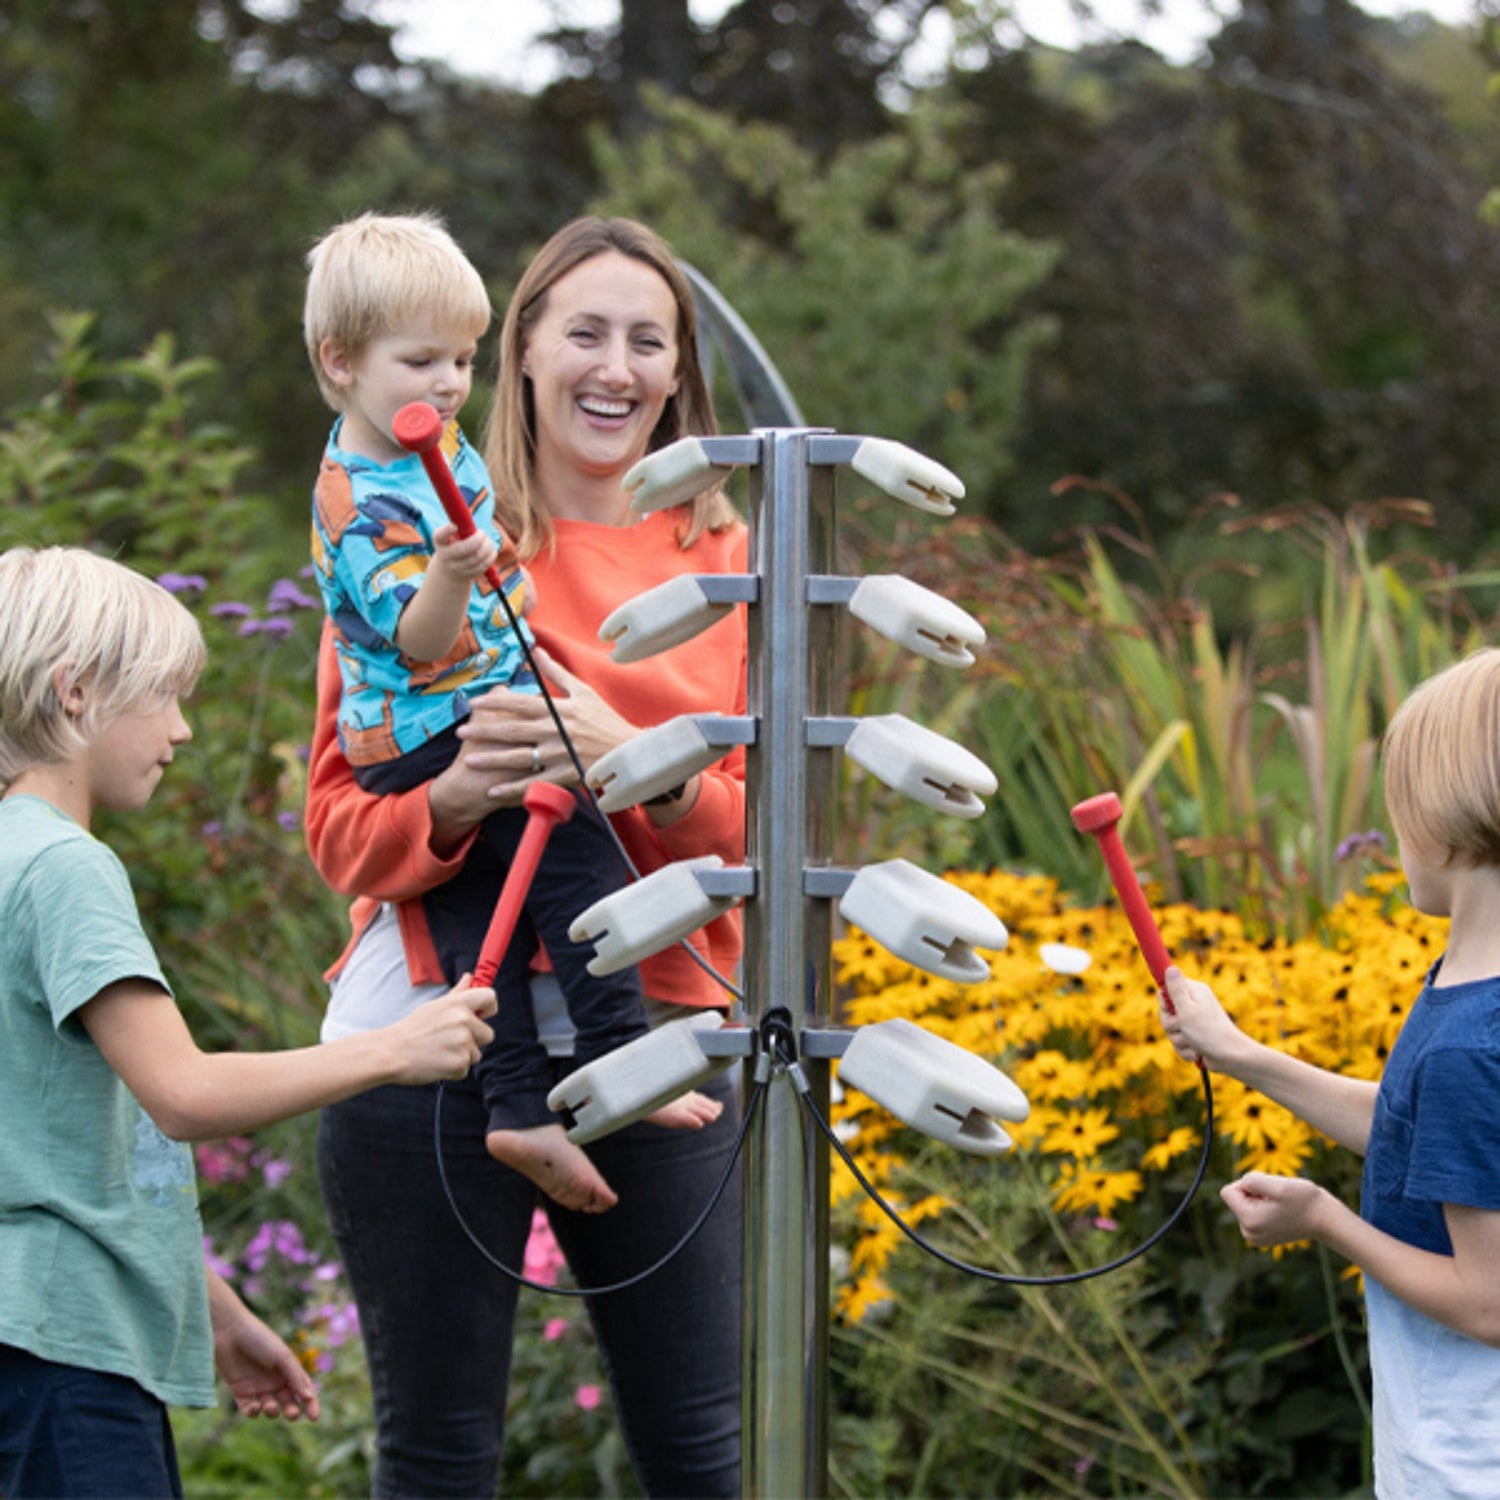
{"points": [[69, 687], [338, 366]]}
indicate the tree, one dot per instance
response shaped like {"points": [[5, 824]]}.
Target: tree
{"points": [[1273, 281], [884, 282]]}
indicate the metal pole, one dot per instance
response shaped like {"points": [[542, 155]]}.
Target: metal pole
{"points": [[790, 792]]}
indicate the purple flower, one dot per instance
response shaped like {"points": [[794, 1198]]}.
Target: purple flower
{"points": [[290, 821], [229, 609], [285, 595], [216, 1262], [273, 1170], [278, 629], [183, 583], [213, 829], [276, 1237], [1358, 844]]}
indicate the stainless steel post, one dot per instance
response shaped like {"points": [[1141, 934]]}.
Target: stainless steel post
{"points": [[789, 818]]}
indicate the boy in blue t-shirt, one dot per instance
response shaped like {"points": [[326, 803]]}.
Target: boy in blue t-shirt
{"points": [[107, 1313], [393, 315], [1427, 1235]]}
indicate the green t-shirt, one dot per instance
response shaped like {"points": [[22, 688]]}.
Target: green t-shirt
{"points": [[101, 1245]]}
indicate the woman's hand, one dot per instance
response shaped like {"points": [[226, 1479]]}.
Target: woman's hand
{"points": [[510, 741]]}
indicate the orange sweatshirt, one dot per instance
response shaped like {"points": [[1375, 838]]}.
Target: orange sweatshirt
{"points": [[378, 848]]}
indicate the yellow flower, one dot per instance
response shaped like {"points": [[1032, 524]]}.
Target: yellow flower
{"points": [[856, 1298], [1085, 1190], [1081, 1134], [1167, 1150]]}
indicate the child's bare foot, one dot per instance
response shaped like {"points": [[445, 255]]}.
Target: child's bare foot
{"points": [[690, 1112], [560, 1169]]}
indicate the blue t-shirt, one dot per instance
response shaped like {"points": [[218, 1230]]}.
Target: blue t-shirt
{"points": [[372, 538], [1435, 1139]]}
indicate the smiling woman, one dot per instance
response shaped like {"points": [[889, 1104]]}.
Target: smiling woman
{"points": [[602, 362], [598, 366]]}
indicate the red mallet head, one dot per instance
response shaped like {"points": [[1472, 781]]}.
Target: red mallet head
{"points": [[417, 427], [548, 800], [1098, 813]]}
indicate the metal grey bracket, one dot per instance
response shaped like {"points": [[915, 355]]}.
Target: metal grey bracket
{"points": [[902, 472], [905, 612], [665, 756], [824, 1041], [651, 914], [911, 759], [683, 470]]}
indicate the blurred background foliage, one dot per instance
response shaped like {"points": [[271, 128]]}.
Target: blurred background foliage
{"points": [[1265, 272], [1213, 346]]}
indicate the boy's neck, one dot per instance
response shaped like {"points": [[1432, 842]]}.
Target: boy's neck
{"points": [[1473, 950], [363, 440], [63, 786]]}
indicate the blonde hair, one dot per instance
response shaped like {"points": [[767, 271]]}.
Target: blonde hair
{"points": [[1442, 765], [372, 274], [510, 431], [68, 617]]}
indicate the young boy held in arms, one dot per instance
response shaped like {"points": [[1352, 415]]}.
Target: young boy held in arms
{"points": [[394, 312]]}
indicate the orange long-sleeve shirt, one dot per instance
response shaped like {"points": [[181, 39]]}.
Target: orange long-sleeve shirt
{"points": [[379, 848]]}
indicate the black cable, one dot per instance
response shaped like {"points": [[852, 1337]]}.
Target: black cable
{"points": [[589, 1291], [1005, 1278]]}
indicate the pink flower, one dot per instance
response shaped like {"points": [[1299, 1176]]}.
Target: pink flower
{"points": [[587, 1397], [555, 1329], [543, 1258], [224, 1161]]}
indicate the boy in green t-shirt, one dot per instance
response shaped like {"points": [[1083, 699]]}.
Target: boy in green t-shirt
{"points": [[107, 1313]]}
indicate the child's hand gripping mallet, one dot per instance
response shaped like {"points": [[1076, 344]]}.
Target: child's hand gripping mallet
{"points": [[1100, 816], [419, 429], [547, 805]]}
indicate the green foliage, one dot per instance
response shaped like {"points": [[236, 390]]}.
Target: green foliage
{"points": [[1244, 760], [114, 459], [883, 282]]}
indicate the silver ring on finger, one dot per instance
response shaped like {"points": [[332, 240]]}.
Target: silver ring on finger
{"points": [[536, 760]]}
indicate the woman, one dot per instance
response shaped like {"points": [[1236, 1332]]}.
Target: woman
{"points": [[598, 366]]}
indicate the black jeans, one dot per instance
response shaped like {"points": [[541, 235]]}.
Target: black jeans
{"points": [[580, 865], [438, 1320]]}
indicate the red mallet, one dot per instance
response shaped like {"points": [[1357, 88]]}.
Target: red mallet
{"points": [[548, 805], [419, 429], [1100, 816]]}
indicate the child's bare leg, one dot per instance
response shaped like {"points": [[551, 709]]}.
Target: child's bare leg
{"points": [[692, 1111], [560, 1169]]}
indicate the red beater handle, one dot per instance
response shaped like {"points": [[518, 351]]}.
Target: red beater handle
{"points": [[419, 429], [1100, 816], [547, 805]]}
